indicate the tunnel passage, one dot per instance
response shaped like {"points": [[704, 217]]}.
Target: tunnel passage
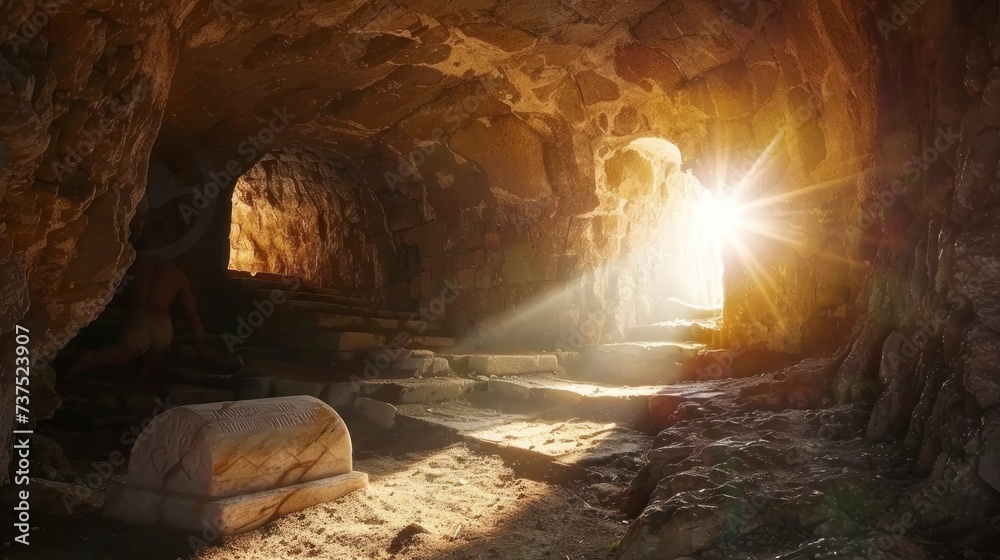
{"points": [[296, 213]]}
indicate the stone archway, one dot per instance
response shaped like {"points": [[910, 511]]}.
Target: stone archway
{"points": [[685, 249], [296, 213]]}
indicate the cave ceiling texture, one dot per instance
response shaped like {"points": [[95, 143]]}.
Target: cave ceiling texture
{"points": [[531, 153]]}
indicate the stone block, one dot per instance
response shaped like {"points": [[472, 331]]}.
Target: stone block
{"points": [[234, 466], [382, 414], [513, 365], [640, 351], [435, 390], [342, 394], [423, 366], [509, 389], [334, 341], [432, 341], [438, 246], [467, 260], [227, 516], [397, 356], [560, 396], [517, 265], [467, 277]]}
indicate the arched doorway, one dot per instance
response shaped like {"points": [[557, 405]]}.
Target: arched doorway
{"points": [[297, 214], [686, 253]]}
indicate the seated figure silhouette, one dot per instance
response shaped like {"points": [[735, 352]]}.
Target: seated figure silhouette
{"points": [[147, 332]]}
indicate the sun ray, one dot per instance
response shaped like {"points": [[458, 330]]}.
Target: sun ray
{"points": [[758, 276], [774, 234], [803, 191]]}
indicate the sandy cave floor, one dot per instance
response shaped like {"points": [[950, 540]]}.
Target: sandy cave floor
{"points": [[447, 491]]}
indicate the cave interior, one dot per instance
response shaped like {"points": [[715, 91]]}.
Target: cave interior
{"points": [[697, 279]]}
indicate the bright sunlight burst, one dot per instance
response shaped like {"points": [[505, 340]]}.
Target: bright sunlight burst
{"points": [[723, 215]]}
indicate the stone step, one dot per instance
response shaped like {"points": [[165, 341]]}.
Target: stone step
{"points": [[673, 307], [264, 276], [639, 351], [253, 354], [271, 281], [428, 365], [349, 371], [552, 439], [679, 330], [334, 341], [309, 297], [502, 364], [635, 363], [345, 393], [559, 389], [296, 320], [361, 342], [346, 309]]}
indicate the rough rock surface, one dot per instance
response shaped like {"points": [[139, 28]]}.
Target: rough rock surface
{"points": [[485, 131], [498, 139]]}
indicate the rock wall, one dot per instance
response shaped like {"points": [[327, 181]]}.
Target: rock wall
{"points": [[926, 347], [84, 94], [921, 371]]}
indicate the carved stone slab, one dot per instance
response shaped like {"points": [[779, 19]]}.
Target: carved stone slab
{"points": [[235, 465]]}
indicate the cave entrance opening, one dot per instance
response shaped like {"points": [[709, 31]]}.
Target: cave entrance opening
{"points": [[299, 213], [685, 251], [270, 229]]}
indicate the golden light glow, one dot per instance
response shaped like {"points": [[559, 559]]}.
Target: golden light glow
{"points": [[723, 215]]}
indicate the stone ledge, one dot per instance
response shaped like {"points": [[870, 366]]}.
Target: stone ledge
{"points": [[512, 365], [227, 516]]}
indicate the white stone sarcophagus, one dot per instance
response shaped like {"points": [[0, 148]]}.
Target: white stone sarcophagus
{"points": [[233, 466]]}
